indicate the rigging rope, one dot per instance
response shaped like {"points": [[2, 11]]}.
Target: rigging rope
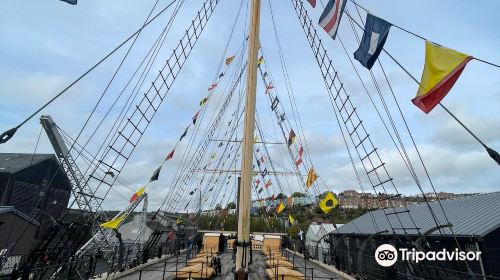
{"points": [[330, 76], [492, 153], [153, 51], [4, 137], [419, 155], [422, 37]]}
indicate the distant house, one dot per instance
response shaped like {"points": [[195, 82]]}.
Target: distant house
{"points": [[289, 201], [475, 223]]}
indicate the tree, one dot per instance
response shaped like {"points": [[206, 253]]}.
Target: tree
{"points": [[281, 196], [218, 207], [298, 194], [231, 205], [293, 231]]}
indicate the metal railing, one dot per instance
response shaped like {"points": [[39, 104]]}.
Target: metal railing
{"points": [[347, 261], [58, 264]]}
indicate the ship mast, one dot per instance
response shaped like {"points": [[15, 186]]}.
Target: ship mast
{"points": [[243, 241]]}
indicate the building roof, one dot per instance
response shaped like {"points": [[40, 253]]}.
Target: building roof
{"points": [[13, 210], [475, 215], [13, 162], [271, 236]]}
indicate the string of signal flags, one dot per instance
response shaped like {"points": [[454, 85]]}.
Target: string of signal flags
{"points": [[443, 66], [328, 202], [116, 221]]}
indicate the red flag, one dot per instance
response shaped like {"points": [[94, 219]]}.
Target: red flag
{"points": [[268, 184], [212, 86], [299, 159], [312, 2], [257, 182], [272, 197], [269, 88], [170, 155], [136, 195], [170, 235]]}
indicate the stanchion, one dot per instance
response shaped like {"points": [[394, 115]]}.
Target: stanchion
{"points": [[164, 269]]}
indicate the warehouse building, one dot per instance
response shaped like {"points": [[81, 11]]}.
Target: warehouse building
{"points": [[33, 184], [475, 227]]}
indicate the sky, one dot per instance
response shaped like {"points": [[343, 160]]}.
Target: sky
{"points": [[47, 44]]}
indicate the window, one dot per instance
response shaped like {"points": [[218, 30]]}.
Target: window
{"points": [[470, 246]]}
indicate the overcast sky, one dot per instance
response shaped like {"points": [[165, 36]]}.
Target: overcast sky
{"points": [[47, 44]]}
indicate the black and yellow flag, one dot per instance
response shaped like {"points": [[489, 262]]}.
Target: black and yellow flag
{"points": [[291, 138], [328, 203]]}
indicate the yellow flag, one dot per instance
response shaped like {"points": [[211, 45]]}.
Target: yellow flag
{"points": [[280, 208], [261, 60], [291, 219], [328, 203], [114, 223], [137, 194], [311, 177], [442, 69], [203, 101], [255, 138], [213, 155], [229, 60], [179, 221]]}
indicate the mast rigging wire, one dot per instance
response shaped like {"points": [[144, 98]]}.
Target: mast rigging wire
{"points": [[491, 152], [152, 54], [422, 37], [4, 137], [404, 157], [154, 51]]}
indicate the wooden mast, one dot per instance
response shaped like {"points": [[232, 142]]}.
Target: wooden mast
{"points": [[243, 253]]}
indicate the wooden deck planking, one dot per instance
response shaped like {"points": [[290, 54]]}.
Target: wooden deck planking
{"points": [[257, 269], [155, 272]]}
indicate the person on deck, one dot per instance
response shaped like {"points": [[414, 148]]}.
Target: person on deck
{"points": [[221, 243], [224, 242], [217, 265], [189, 245]]}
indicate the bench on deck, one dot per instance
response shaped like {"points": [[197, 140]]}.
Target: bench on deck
{"points": [[206, 260], [198, 271], [282, 273], [272, 253], [280, 263]]}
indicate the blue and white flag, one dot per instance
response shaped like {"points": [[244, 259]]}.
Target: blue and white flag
{"points": [[330, 18], [72, 2], [372, 43]]}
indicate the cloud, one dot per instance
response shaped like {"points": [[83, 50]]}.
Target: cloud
{"points": [[50, 43]]}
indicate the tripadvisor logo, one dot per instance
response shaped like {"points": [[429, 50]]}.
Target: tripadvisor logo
{"points": [[387, 255]]}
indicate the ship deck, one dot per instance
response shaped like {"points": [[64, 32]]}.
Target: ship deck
{"points": [[166, 269]]}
